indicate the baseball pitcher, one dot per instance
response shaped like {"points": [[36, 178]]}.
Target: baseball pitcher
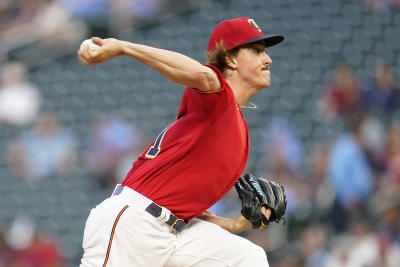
{"points": [[158, 215]]}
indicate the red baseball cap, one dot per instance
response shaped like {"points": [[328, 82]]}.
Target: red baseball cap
{"points": [[240, 31]]}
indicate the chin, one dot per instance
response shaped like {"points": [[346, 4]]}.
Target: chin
{"points": [[267, 82]]}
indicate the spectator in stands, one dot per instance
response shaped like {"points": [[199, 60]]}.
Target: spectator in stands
{"points": [[358, 248], [393, 156], [281, 160], [46, 149], [349, 174], [19, 99], [380, 95], [287, 257], [32, 248], [321, 193], [382, 5], [314, 245], [341, 92], [373, 138], [40, 26], [112, 140], [385, 206], [95, 13], [282, 150], [127, 14]]}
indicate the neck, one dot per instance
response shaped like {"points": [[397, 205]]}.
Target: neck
{"points": [[241, 90]]}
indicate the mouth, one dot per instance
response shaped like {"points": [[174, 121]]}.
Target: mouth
{"points": [[266, 68], [267, 71]]}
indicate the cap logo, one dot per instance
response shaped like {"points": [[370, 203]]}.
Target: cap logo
{"points": [[254, 24]]}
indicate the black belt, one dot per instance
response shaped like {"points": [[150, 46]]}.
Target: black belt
{"points": [[175, 223]]}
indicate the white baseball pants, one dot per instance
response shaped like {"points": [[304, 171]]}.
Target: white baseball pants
{"points": [[119, 232]]}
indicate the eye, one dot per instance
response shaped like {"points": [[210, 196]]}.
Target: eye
{"points": [[257, 50]]}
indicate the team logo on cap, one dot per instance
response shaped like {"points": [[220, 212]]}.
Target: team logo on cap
{"points": [[254, 24]]}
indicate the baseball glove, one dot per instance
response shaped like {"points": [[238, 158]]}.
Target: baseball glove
{"points": [[251, 208], [269, 194]]}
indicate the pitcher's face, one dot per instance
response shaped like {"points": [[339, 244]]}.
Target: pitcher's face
{"points": [[253, 65]]}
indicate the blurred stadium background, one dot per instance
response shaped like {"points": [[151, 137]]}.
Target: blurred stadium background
{"points": [[328, 128]]}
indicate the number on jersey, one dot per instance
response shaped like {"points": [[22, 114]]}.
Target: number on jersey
{"points": [[156, 147]]}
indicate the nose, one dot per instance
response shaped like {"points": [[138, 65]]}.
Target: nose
{"points": [[268, 60]]}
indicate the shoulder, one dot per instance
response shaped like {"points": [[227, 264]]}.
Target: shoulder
{"points": [[214, 81]]}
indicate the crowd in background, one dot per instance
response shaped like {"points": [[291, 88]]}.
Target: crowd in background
{"points": [[46, 147], [64, 24], [343, 194]]}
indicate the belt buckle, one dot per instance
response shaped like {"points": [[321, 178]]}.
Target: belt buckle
{"points": [[174, 223]]}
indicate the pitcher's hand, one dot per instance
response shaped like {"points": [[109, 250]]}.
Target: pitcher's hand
{"points": [[107, 50]]}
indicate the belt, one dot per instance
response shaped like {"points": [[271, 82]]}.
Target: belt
{"points": [[176, 224]]}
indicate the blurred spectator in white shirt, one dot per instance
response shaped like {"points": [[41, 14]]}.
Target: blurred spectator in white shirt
{"points": [[19, 99], [359, 248], [32, 247]]}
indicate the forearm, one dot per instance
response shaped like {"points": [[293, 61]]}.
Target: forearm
{"points": [[239, 224], [175, 66]]}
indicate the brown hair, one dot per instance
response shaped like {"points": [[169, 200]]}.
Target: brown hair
{"points": [[218, 57]]}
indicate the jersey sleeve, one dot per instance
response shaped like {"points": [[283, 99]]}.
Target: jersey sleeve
{"points": [[208, 103], [220, 78]]}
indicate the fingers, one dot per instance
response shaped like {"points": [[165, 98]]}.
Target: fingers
{"points": [[98, 41], [89, 53], [253, 182], [266, 212], [83, 59], [240, 186], [103, 51], [244, 183], [88, 56]]}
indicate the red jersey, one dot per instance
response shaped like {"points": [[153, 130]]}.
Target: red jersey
{"points": [[197, 159]]}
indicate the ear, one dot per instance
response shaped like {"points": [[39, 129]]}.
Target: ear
{"points": [[231, 62]]}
